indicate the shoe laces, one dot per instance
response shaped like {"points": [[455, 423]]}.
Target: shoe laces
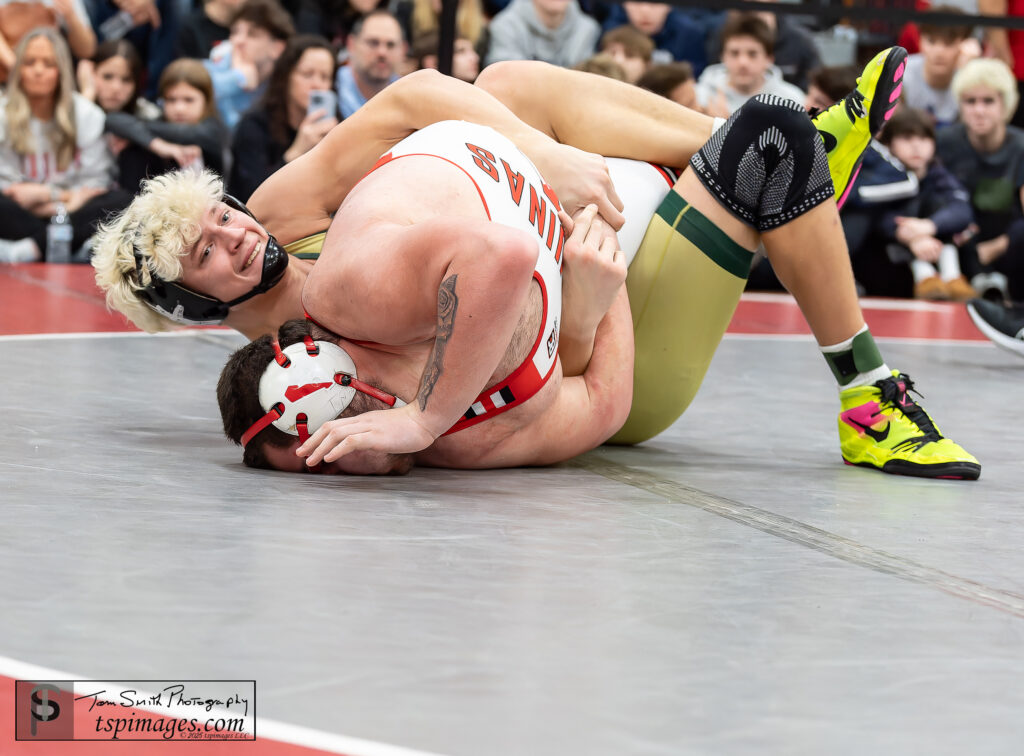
{"points": [[895, 391], [854, 103]]}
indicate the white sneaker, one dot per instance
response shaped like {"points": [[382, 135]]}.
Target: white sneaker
{"points": [[20, 251]]}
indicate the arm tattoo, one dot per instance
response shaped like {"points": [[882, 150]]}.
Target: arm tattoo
{"points": [[447, 305]]}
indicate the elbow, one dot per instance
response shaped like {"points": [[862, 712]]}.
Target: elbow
{"points": [[513, 258]]}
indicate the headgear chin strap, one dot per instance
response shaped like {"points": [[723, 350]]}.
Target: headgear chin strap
{"points": [[308, 384], [182, 305]]}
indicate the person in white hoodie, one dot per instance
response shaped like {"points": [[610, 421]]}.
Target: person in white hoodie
{"points": [[554, 31], [52, 151], [747, 69]]}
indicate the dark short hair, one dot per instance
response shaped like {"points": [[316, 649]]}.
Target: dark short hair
{"points": [[238, 392], [665, 77], [633, 41], [835, 81], [267, 15], [907, 122], [749, 25], [948, 33], [357, 27]]}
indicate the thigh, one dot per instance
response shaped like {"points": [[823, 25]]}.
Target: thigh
{"points": [[683, 289]]}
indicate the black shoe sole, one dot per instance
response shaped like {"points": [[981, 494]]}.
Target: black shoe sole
{"points": [[945, 471], [1000, 339], [881, 105]]}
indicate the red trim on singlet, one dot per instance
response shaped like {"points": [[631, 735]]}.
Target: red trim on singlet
{"points": [[665, 173], [391, 157], [524, 382]]}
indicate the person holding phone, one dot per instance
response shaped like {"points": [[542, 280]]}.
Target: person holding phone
{"points": [[296, 112]]}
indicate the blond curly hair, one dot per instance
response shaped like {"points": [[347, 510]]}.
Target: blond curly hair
{"points": [[991, 73], [160, 224]]}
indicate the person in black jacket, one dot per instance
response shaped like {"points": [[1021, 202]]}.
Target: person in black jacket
{"points": [[190, 134], [282, 127]]}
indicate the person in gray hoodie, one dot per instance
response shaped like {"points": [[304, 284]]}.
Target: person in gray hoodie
{"points": [[554, 31], [747, 69]]}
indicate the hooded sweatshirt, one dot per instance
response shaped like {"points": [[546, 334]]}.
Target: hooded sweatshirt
{"points": [[715, 79], [517, 33]]}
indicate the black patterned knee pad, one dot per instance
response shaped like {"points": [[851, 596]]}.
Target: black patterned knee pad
{"points": [[766, 164]]}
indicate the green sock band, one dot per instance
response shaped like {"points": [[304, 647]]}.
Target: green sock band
{"points": [[862, 357]]}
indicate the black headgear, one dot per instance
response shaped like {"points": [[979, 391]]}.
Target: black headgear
{"points": [[182, 305]]}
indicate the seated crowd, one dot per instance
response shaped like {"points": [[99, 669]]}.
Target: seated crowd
{"points": [[98, 95]]}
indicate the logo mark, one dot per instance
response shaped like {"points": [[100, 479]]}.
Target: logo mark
{"points": [[879, 436], [43, 709], [829, 140], [294, 393]]}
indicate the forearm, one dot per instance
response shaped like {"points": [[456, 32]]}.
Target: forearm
{"points": [[81, 38], [952, 218], [479, 304], [997, 39], [598, 114]]}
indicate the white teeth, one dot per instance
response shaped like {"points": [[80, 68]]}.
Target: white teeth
{"points": [[252, 257]]}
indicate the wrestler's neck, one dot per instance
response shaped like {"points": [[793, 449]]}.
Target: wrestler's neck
{"points": [[266, 312]]}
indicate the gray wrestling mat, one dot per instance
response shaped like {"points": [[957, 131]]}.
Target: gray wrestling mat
{"points": [[729, 588]]}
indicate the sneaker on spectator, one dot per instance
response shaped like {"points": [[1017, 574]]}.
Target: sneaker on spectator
{"points": [[20, 251], [992, 286], [1003, 324], [959, 290], [932, 288]]}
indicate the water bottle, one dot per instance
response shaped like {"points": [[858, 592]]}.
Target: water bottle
{"points": [[59, 235]]}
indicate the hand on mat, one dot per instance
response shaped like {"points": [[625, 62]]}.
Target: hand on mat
{"points": [[581, 178], [395, 431]]}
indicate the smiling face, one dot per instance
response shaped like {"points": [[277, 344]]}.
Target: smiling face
{"points": [[227, 260]]}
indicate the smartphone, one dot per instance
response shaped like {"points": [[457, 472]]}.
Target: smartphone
{"points": [[325, 100]]}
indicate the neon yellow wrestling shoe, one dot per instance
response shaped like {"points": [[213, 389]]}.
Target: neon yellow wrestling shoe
{"points": [[847, 127], [880, 426]]}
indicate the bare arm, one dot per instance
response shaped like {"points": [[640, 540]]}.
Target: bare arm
{"points": [[598, 114], [480, 274], [997, 39], [301, 197]]}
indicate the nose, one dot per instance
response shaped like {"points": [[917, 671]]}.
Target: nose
{"points": [[234, 237]]}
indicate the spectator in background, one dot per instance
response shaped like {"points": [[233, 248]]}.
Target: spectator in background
{"points": [[113, 80], [554, 31], [795, 53], [829, 84], [919, 231], [602, 64], [987, 156], [465, 60], [672, 80], [284, 127], [153, 31], [929, 74], [630, 48], [376, 51], [674, 35], [18, 18], [190, 134], [746, 69], [332, 19], [420, 17], [205, 28], [52, 151], [240, 68]]}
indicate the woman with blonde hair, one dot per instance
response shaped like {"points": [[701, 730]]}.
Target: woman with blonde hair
{"points": [[189, 134], [418, 17], [52, 151]]}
